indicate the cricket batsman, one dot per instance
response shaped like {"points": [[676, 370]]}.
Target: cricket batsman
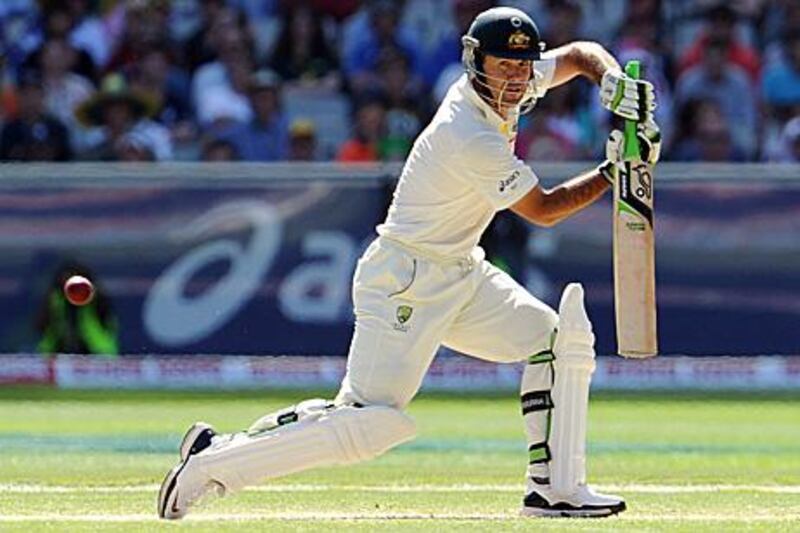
{"points": [[424, 282]]}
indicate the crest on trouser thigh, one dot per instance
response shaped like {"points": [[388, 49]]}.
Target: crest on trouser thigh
{"points": [[403, 315]]}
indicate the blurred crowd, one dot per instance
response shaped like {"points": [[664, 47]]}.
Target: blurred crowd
{"points": [[356, 80]]}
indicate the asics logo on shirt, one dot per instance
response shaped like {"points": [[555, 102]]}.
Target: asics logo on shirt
{"points": [[509, 183]]}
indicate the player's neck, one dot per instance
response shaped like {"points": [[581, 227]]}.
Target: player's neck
{"points": [[487, 95], [503, 111]]}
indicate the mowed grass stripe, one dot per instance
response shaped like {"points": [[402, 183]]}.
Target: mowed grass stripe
{"points": [[158, 444], [746, 517], [632, 488]]}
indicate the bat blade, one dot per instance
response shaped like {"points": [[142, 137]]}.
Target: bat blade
{"points": [[634, 261], [634, 248]]}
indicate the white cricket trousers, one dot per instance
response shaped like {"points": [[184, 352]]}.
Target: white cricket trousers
{"points": [[408, 303]]}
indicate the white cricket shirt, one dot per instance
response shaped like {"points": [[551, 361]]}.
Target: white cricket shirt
{"points": [[460, 172]]}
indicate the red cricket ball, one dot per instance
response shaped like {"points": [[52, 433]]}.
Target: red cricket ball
{"points": [[78, 290]]}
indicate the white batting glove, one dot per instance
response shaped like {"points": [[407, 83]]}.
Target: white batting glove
{"points": [[649, 136], [627, 97]]}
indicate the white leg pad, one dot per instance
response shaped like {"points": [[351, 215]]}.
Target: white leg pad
{"points": [[341, 435], [574, 365], [305, 410]]}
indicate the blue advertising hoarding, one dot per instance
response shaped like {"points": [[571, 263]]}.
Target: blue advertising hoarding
{"points": [[257, 259]]}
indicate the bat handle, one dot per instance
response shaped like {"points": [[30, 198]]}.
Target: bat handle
{"points": [[631, 150]]}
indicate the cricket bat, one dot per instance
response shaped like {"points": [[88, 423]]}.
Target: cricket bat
{"points": [[634, 248]]}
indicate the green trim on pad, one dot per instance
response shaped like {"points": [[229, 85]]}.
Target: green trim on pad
{"points": [[542, 357], [538, 454]]}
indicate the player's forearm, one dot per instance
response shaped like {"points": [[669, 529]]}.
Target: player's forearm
{"points": [[572, 196], [583, 58], [592, 60]]}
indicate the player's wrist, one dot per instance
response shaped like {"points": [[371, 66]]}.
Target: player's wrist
{"points": [[607, 170]]}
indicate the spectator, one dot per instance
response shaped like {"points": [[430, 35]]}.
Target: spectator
{"points": [[144, 23], [705, 134], [790, 142], [369, 127], [8, 94], [215, 149], [86, 29], [714, 141], [34, 135], [303, 53], [781, 83], [302, 141], [19, 33], [366, 37], [266, 136], [119, 110], [64, 328], [156, 74], [559, 129], [447, 78], [406, 104], [721, 23], [338, 9], [199, 47], [448, 50], [222, 109], [781, 21], [386, 47], [564, 22], [65, 90], [135, 146], [641, 31], [222, 84], [603, 19], [256, 9], [724, 82], [58, 23]]}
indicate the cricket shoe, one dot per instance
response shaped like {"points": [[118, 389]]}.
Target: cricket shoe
{"points": [[184, 486], [583, 503], [197, 438]]}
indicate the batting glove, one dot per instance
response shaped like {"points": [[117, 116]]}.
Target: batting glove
{"points": [[649, 136], [627, 97]]}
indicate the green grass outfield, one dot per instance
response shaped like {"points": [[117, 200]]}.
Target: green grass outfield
{"points": [[89, 461]]}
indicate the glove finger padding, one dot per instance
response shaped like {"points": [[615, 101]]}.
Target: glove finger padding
{"points": [[649, 136], [614, 146], [627, 97]]}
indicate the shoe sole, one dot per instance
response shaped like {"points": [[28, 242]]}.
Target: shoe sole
{"points": [[167, 495], [577, 512]]}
